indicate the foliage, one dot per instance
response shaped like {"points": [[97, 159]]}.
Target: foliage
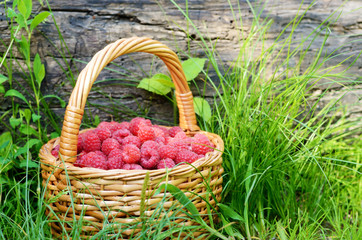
{"points": [[162, 84]]}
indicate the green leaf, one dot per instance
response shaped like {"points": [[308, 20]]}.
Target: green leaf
{"points": [[15, 93], [3, 78], [30, 164], [180, 196], [157, 84], [6, 142], [14, 122], [20, 20], [39, 69], [97, 120], [229, 212], [25, 7], [38, 19], [2, 89], [192, 67], [35, 117], [5, 165], [62, 102], [11, 13], [164, 79], [28, 130], [27, 115], [54, 135], [27, 146], [29, 7], [22, 9], [24, 47], [202, 108], [36, 63]]}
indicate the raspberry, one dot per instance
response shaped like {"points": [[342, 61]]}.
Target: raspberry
{"points": [[174, 130], [181, 135], [134, 124], [110, 144], [107, 125], [120, 134], [115, 159], [201, 144], [128, 166], [91, 142], [80, 142], [116, 126], [186, 156], [103, 133], [132, 140], [160, 140], [145, 133], [149, 158], [167, 151], [125, 125], [164, 130], [158, 132], [80, 156], [166, 163], [55, 151], [150, 144], [178, 144], [131, 154], [94, 159]]}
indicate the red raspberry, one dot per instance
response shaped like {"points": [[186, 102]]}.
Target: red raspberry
{"points": [[167, 151], [158, 132], [134, 124], [55, 151], [91, 142], [166, 163], [174, 130], [107, 125], [80, 142], [181, 135], [145, 133], [186, 156], [164, 130], [149, 158], [132, 167], [160, 140], [132, 140], [125, 125], [131, 154], [116, 126], [110, 144], [94, 159], [79, 159], [150, 144], [120, 134], [115, 159], [103, 133], [201, 144], [179, 144]]}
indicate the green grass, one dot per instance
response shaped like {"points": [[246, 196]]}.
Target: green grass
{"points": [[292, 170]]}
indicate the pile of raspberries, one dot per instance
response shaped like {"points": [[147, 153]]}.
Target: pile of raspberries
{"points": [[138, 145]]}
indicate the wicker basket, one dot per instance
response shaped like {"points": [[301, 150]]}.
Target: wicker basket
{"points": [[96, 196]]}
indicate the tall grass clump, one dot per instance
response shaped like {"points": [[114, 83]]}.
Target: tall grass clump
{"points": [[292, 167]]}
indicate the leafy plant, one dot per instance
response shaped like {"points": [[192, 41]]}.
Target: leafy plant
{"points": [[162, 84]]}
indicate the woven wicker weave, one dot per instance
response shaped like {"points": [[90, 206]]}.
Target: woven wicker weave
{"points": [[123, 195]]}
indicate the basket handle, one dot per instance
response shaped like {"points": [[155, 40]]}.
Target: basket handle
{"points": [[75, 109]]}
